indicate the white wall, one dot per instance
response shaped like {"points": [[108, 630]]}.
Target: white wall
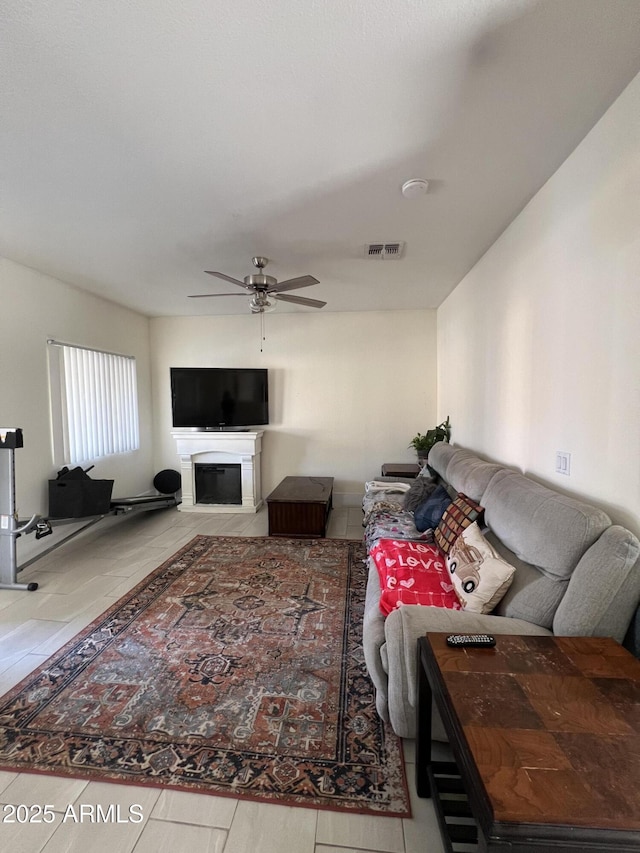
{"points": [[34, 307], [539, 346], [347, 391]]}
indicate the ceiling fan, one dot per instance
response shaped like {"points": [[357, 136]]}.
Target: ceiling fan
{"points": [[265, 288]]}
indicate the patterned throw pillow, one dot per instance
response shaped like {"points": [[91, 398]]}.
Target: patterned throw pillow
{"points": [[459, 514], [412, 573], [479, 575]]}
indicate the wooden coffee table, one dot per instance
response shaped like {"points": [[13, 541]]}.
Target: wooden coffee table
{"points": [[300, 507], [545, 732]]}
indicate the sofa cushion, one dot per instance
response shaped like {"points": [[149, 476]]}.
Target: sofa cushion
{"points": [[439, 457], [429, 514], [542, 527], [532, 595], [593, 608], [470, 475], [402, 629], [479, 575], [458, 515]]}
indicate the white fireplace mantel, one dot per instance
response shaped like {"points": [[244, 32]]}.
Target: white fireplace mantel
{"points": [[243, 448]]}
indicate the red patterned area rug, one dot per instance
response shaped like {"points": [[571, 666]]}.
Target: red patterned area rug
{"points": [[236, 668]]}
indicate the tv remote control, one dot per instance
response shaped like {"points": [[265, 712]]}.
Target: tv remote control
{"points": [[477, 640]]}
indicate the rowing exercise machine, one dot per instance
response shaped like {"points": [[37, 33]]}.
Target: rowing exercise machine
{"points": [[166, 482], [10, 526]]}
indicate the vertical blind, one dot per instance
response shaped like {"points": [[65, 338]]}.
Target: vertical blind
{"points": [[98, 403]]}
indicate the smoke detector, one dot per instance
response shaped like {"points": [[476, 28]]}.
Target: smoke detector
{"points": [[384, 251], [415, 187]]}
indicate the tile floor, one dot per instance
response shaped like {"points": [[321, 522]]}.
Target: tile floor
{"points": [[78, 581]]}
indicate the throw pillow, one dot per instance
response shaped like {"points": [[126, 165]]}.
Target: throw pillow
{"points": [[418, 492], [459, 514], [479, 574], [412, 573], [429, 513]]}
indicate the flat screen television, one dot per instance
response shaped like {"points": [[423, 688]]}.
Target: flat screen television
{"points": [[219, 397]]}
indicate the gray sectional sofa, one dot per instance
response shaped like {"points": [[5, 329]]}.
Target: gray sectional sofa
{"points": [[577, 574]]}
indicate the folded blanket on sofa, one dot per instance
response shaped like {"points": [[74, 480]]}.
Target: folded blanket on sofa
{"points": [[398, 524], [376, 499], [382, 502], [412, 573], [382, 486]]}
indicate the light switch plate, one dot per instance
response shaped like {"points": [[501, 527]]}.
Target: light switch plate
{"points": [[563, 462]]}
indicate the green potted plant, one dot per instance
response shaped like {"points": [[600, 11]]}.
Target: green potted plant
{"points": [[422, 444]]}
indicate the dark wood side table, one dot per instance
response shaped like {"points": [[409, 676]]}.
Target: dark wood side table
{"points": [[300, 507], [399, 469], [545, 732]]}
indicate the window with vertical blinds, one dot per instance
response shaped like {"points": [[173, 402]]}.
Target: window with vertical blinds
{"points": [[94, 401]]}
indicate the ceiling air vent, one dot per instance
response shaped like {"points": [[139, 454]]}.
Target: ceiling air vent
{"points": [[384, 251]]}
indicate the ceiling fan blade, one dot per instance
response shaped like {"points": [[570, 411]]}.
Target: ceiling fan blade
{"points": [[208, 295], [226, 278], [300, 300], [293, 284]]}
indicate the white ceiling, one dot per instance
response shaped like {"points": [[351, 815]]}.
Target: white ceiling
{"points": [[144, 142]]}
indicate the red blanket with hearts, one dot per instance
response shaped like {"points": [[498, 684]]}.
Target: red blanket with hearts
{"points": [[412, 573]]}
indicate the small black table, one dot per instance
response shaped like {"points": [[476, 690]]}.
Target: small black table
{"points": [[400, 469]]}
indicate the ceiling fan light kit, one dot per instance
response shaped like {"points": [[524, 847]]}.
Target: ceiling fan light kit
{"points": [[261, 304]]}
